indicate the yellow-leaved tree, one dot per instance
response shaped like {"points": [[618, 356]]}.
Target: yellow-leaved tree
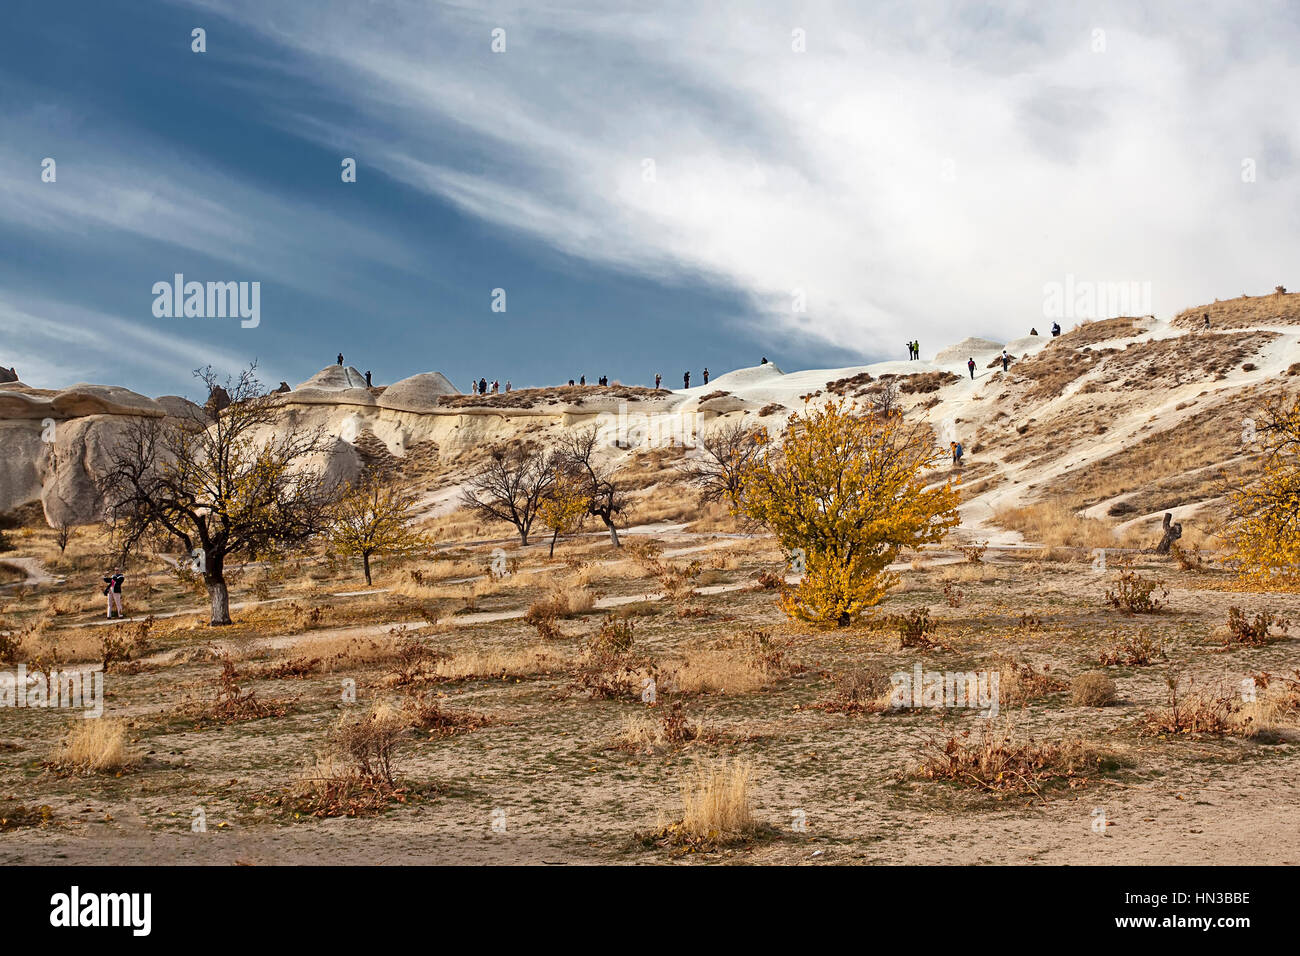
{"points": [[1264, 524], [372, 518], [564, 504], [845, 492]]}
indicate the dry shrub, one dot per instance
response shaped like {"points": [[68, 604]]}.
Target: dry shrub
{"points": [[975, 552], [1092, 689], [716, 810], [305, 618], [428, 714], [357, 773], [1191, 560], [915, 628], [414, 661], [93, 746], [608, 669], [954, 597], [1134, 594], [1194, 709], [125, 642], [544, 613], [1255, 633], [1019, 683], [233, 704], [863, 690], [768, 581], [1133, 650], [992, 759], [290, 668], [672, 729]]}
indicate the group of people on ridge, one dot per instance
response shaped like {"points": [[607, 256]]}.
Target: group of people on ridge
{"points": [[481, 387], [913, 350]]}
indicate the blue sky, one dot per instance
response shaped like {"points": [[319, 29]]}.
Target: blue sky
{"points": [[910, 170]]}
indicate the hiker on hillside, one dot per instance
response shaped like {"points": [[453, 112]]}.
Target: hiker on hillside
{"points": [[113, 589], [706, 375], [1207, 321], [952, 447], [686, 380], [764, 362], [658, 378], [340, 358], [582, 379], [482, 386], [1006, 360], [367, 378], [507, 386], [970, 364], [916, 349], [960, 451], [1056, 329], [910, 350], [570, 381]]}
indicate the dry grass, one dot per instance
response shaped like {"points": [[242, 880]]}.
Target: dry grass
{"points": [[529, 661], [716, 809], [93, 746], [1053, 525], [1092, 689], [1244, 312]]}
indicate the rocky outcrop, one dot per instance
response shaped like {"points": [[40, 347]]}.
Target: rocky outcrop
{"points": [[8, 375], [419, 393]]}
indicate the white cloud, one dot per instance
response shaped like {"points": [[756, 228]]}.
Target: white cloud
{"points": [[826, 170]]}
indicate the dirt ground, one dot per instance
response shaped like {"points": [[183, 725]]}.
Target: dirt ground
{"points": [[545, 774]]}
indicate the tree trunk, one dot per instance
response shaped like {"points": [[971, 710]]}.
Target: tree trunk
{"points": [[365, 564], [1173, 532], [613, 533], [220, 597], [553, 537], [523, 537]]}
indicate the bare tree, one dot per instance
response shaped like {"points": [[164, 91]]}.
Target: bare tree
{"points": [[62, 535], [883, 398], [605, 499], [512, 486], [220, 484], [730, 453]]}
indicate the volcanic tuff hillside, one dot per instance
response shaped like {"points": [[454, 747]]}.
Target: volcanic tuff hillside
{"points": [[1120, 420]]}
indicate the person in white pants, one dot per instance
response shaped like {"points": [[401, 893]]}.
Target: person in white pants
{"points": [[113, 588]]}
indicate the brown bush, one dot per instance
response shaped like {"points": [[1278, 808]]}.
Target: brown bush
{"points": [[1092, 689]]}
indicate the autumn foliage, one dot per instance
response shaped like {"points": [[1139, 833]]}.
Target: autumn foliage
{"points": [[848, 492], [1264, 529]]}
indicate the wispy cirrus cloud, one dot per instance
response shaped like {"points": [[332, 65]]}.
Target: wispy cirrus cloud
{"points": [[924, 166]]}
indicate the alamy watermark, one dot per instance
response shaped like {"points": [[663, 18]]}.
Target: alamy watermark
{"points": [[80, 689], [211, 300], [1087, 299], [975, 690]]}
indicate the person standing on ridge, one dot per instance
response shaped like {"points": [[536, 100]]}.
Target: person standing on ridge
{"points": [[1006, 360], [706, 375], [340, 358], [507, 386], [658, 378], [482, 386], [764, 362], [113, 589], [367, 378], [1056, 329], [970, 364], [686, 380]]}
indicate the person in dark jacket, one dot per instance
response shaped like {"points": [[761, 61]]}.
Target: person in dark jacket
{"points": [[970, 364], [686, 380], [113, 590]]}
